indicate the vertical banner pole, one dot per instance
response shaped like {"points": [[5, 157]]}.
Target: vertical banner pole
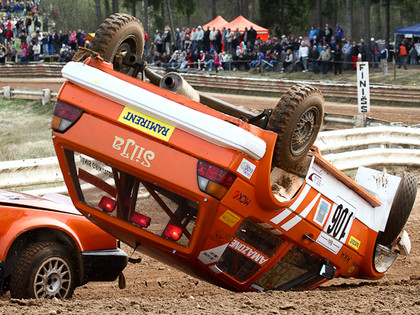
{"points": [[363, 92]]}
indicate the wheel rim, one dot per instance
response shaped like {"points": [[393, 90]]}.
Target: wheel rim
{"points": [[304, 131], [128, 47], [53, 279]]}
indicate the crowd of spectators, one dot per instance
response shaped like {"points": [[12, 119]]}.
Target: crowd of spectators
{"points": [[324, 49], [23, 37]]}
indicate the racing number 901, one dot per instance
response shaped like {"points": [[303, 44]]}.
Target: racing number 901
{"points": [[337, 222]]}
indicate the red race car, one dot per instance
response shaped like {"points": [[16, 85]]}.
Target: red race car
{"points": [[48, 248]]}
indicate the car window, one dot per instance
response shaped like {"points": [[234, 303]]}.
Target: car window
{"points": [[250, 248], [295, 270], [131, 199]]}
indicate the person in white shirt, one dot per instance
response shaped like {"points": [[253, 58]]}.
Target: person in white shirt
{"points": [[304, 53]]}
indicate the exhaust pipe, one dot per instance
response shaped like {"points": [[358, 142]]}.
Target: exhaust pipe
{"points": [[175, 82]]}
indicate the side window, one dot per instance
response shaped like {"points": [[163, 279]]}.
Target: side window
{"points": [[297, 269], [249, 250], [131, 199]]}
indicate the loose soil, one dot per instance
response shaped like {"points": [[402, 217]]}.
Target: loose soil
{"points": [[155, 288]]}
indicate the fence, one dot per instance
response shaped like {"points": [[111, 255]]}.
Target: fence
{"points": [[44, 95], [255, 86], [346, 149]]}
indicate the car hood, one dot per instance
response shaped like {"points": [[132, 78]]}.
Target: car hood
{"points": [[53, 202]]}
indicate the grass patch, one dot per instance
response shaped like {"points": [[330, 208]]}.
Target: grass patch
{"points": [[25, 129]]}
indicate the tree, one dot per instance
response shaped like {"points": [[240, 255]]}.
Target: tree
{"points": [[213, 8], [284, 16], [98, 13], [349, 18], [107, 8], [186, 7], [115, 6]]}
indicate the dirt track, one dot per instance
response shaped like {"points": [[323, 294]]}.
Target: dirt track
{"points": [[155, 288], [409, 116]]}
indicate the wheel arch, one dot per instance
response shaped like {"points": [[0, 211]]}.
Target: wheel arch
{"points": [[44, 234]]}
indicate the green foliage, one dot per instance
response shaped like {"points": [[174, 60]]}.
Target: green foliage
{"points": [[186, 7], [280, 16], [70, 15], [285, 16]]}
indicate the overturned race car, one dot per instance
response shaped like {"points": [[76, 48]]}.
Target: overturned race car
{"points": [[241, 200]]}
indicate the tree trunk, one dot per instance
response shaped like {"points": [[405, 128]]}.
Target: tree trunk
{"points": [[349, 19], [107, 8], [378, 28], [171, 22], [282, 20], [334, 16], [146, 16], [115, 6], [98, 13], [245, 8], [238, 7], [318, 12], [133, 8], [213, 10], [367, 27], [387, 22]]}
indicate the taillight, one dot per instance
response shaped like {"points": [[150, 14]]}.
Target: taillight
{"points": [[64, 116], [140, 220], [107, 204], [214, 180], [173, 232]]}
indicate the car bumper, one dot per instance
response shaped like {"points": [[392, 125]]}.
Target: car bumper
{"points": [[104, 265]]}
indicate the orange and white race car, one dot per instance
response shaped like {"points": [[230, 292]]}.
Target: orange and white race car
{"points": [[247, 204]]}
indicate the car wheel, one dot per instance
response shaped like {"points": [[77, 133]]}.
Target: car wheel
{"points": [[400, 209], [297, 119], [44, 270], [118, 36]]}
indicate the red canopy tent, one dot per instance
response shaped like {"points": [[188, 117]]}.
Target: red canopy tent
{"points": [[241, 22], [218, 23]]}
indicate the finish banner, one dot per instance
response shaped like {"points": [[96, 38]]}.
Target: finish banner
{"points": [[363, 94]]}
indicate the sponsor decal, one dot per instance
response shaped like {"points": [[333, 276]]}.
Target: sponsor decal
{"points": [[241, 198], [322, 212], [212, 255], [147, 124], [329, 242], [248, 251], [354, 242], [229, 218], [246, 168], [345, 257], [315, 178], [132, 151], [351, 269]]}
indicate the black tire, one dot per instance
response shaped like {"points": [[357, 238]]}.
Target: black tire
{"points": [[297, 119], [118, 35], [44, 270], [400, 209]]}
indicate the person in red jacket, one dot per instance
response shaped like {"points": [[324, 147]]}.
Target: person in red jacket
{"points": [[402, 56]]}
